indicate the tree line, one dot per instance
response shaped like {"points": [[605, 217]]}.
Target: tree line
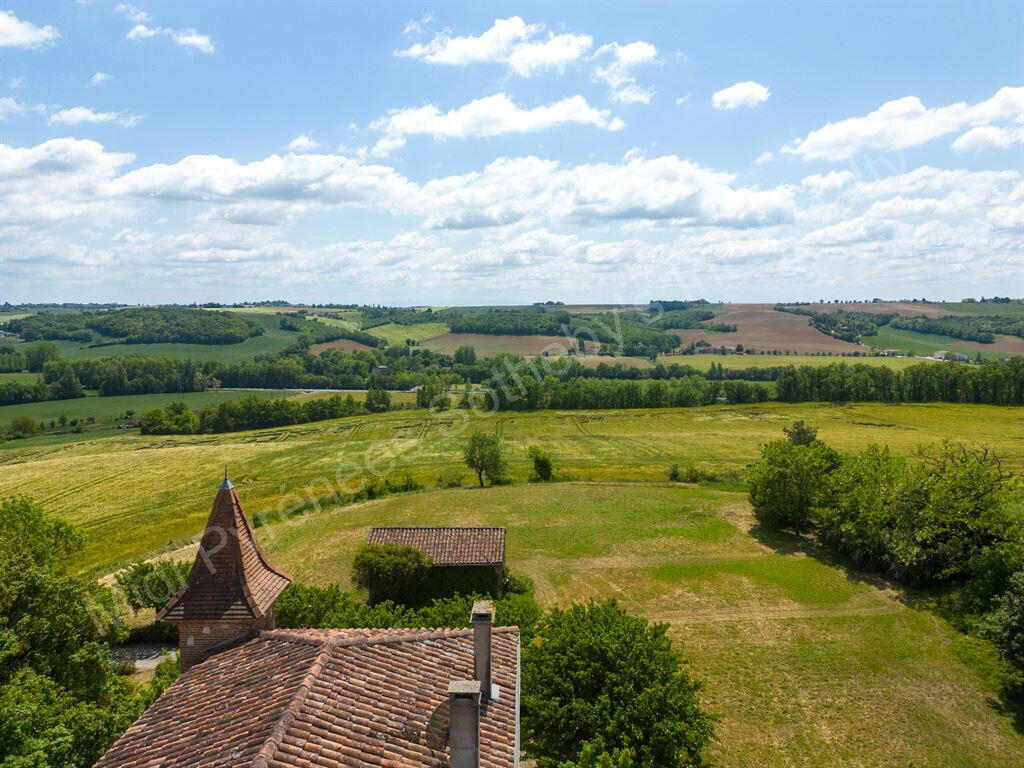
{"points": [[256, 413], [138, 325]]}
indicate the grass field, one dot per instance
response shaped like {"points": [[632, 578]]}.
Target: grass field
{"points": [[393, 333], [167, 501], [108, 410], [929, 343], [20, 378], [272, 341], [806, 663], [737, 362]]}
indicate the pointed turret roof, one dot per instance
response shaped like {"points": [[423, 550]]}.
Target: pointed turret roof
{"points": [[230, 578]]}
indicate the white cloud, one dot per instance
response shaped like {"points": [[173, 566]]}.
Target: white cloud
{"points": [[905, 123], [12, 107], [490, 116], [525, 219], [745, 94], [521, 46], [98, 78], [16, 82], [302, 143], [186, 38], [764, 158], [16, 33], [617, 73], [133, 14], [988, 137], [820, 184], [76, 115], [684, 101]]}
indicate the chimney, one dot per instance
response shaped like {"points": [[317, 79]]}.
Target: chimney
{"points": [[482, 618], [464, 723]]}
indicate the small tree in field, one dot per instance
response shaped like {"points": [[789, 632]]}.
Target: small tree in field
{"points": [[390, 571], [800, 433], [484, 456], [598, 682]]}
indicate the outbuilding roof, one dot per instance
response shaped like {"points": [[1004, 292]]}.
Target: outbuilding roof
{"points": [[448, 546]]}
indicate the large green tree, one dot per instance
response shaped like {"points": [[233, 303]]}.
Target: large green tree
{"points": [[790, 481], [61, 703], [597, 681]]}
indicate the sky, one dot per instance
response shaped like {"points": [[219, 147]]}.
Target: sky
{"points": [[499, 153]]}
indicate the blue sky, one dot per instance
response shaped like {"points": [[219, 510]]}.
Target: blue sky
{"points": [[463, 153]]}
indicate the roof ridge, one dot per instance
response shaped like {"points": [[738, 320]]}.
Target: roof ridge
{"points": [[387, 635], [277, 734], [438, 528]]}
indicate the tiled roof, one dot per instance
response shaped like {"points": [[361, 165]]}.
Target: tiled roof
{"points": [[448, 546], [230, 577], [325, 699]]}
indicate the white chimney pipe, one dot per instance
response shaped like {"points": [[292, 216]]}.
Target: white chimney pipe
{"points": [[482, 619], [464, 723]]}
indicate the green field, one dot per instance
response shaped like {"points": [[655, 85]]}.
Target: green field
{"points": [[272, 341], [19, 378], [393, 333], [108, 411], [167, 501], [928, 343], [738, 362], [807, 664]]}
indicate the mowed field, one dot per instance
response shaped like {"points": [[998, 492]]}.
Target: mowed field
{"points": [[393, 333], [760, 327], [808, 663], [167, 500], [487, 345], [929, 343]]}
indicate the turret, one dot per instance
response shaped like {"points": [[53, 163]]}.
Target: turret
{"points": [[229, 594]]}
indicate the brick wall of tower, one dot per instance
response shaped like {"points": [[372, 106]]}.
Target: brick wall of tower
{"points": [[195, 638]]}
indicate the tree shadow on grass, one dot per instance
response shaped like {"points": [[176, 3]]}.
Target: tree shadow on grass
{"points": [[943, 602]]}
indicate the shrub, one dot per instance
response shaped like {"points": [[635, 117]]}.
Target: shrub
{"points": [[390, 571], [518, 584], [23, 426], [596, 673], [675, 475], [450, 478], [800, 433], [1005, 626], [542, 469], [151, 585], [378, 400]]}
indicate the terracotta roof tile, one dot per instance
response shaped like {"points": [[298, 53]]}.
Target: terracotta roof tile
{"points": [[448, 546], [325, 699]]}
